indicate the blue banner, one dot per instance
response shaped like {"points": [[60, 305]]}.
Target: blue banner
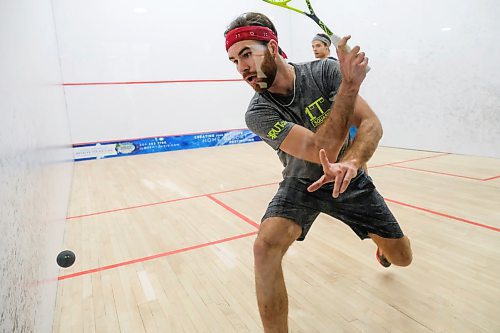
{"points": [[99, 150]]}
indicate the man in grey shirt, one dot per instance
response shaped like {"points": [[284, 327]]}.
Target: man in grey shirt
{"points": [[321, 46], [304, 112]]}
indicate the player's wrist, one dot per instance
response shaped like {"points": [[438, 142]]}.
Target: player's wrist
{"points": [[352, 161], [348, 89]]}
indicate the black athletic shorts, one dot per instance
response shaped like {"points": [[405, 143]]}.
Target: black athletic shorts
{"points": [[361, 207]]}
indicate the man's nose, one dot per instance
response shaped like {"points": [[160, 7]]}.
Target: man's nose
{"points": [[242, 67]]}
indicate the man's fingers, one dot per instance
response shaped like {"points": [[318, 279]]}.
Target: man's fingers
{"points": [[364, 63], [316, 185], [355, 50], [359, 58], [338, 182], [343, 41], [338, 173], [347, 180], [324, 160], [341, 47], [330, 169]]}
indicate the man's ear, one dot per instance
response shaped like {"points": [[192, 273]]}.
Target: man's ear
{"points": [[272, 46]]}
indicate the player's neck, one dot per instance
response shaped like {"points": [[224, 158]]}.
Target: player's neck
{"points": [[283, 83]]}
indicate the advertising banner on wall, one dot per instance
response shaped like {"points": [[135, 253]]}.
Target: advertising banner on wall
{"points": [[98, 150]]}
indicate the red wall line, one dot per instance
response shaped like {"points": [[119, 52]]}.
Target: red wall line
{"points": [[147, 82]]}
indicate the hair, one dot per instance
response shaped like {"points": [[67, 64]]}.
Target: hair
{"points": [[325, 36], [252, 19], [249, 19]]}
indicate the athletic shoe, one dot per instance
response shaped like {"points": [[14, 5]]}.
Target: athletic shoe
{"points": [[382, 259]]}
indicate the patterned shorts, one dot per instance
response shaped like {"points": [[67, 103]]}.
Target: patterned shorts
{"points": [[361, 207]]}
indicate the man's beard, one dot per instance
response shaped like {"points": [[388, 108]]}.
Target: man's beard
{"points": [[266, 73]]}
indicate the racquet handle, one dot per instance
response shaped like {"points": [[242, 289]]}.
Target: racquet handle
{"points": [[335, 41]]}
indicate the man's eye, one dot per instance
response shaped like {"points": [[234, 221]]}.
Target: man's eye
{"points": [[246, 55]]}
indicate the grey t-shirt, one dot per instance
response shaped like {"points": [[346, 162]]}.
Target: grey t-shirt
{"points": [[270, 118]]}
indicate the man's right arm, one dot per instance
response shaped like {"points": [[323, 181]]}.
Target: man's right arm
{"points": [[305, 144]]}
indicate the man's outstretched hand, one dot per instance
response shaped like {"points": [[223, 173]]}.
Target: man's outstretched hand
{"points": [[353, 63], [341, 173]]}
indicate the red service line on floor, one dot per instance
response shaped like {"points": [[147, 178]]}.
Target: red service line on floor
{"points": [[159, 255], [491, 178], [249, 221], [443, 173], [405, 161], [134, 207], [226, 191], [147, 82], [241, 216], [167, 201], [164, 254], [444, 215], [210, 196]]}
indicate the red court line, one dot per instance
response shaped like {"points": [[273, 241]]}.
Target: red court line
{"points": [[220, 192], [274, 183], [395, 164], [244, 188], [444, 215], [147, 82], [241, 216], [405, 161], [249, 221], [167, 201], [444, 173], [133, 207], [159, 255], [491, 178], [262, 185], [437, 172]]}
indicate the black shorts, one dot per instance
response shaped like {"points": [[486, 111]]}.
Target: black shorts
{"points": [[361, 207]]}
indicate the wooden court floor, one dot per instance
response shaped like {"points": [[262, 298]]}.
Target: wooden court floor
{"points": [[164, 244]]}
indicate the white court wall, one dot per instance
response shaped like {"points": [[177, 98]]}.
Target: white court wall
{"points": [[434, 82], [435, 79], [35, 165], [116, 41]]}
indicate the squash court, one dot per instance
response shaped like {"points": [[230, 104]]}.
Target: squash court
{"points": [[124, 141], [164, 244]]}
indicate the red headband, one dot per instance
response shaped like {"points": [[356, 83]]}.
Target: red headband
{"points": [[249, 32]]}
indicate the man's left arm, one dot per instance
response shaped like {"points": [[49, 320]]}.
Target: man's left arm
{"points": [[367, 137], [365, 143]]}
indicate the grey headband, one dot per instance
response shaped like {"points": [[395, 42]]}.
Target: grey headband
{"points": [[322, 39]]}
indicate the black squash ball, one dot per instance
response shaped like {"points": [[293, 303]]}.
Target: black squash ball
{"points": [[66, 258]]}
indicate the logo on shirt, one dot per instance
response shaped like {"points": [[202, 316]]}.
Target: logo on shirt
{"points": [[276, 129], [316, 113]]}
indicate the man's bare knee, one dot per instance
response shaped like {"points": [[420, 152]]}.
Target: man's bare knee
{"points": [[402, 255], [274, 238], [402, 258], [264, 250], [269, 248], [398, 251]]}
